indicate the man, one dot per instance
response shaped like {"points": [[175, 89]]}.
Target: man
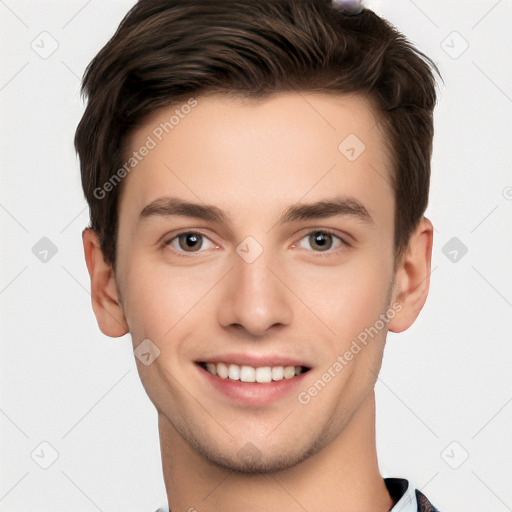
{"points": [[257, 175]]}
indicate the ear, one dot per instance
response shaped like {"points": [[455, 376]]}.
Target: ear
{"points": [[105, 301], [412, 277]]}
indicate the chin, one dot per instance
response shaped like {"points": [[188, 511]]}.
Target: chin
{"points": [[250, 460]]}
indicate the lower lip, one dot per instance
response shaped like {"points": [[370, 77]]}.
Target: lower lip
{"points": [[252, 393]]}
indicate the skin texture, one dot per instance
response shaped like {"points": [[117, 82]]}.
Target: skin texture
{"points": [[253, 160]]}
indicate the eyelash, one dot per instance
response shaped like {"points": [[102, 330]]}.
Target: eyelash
{"points": [[323, 254]]}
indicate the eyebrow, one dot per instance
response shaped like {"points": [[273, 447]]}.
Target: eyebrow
{"points": [[327, 208], [168, 206], [338, 206]]}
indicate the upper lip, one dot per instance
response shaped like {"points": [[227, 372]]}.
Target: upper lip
{"points": [[254, 360]]}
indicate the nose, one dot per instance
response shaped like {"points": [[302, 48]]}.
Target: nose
{"points": [[254, 299]]}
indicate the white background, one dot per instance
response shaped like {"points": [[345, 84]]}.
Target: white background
{"points": [[445, 391]]}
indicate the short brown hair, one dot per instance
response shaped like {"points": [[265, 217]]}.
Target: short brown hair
{"points": [[166, 50]]}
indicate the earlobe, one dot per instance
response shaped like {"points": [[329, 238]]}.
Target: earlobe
{"points": [[104, 295], [412, 277]]}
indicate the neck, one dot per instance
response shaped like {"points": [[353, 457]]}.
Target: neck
{"points": [[343, 475]]}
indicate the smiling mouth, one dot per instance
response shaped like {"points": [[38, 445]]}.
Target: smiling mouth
{"points": [[244, 373]]}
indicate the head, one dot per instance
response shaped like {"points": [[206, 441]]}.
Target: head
{"points": [[270, 117]]}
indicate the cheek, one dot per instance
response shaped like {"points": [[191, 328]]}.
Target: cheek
{"points": [[363, 303], [160, 297], [343, 299]]}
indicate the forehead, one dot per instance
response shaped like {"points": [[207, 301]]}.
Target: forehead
{"points": [[255, 155]]}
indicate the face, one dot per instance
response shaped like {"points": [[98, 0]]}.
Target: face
{"points": [[255, 252]]}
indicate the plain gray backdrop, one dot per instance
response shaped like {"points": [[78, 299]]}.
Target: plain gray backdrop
{"points": [[78, 432]]}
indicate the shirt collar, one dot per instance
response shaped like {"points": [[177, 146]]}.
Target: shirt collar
{"points": [[403, 494]]}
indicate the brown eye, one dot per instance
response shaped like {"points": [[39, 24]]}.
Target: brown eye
{"points": [[320, 241], [190, 242]]}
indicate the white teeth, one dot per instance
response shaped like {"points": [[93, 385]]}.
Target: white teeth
{"points": [[247, 374], [289, 372], [264, 374], [277, 373], [234, 372], [222, 370], [211, 368], [244, 373]]}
